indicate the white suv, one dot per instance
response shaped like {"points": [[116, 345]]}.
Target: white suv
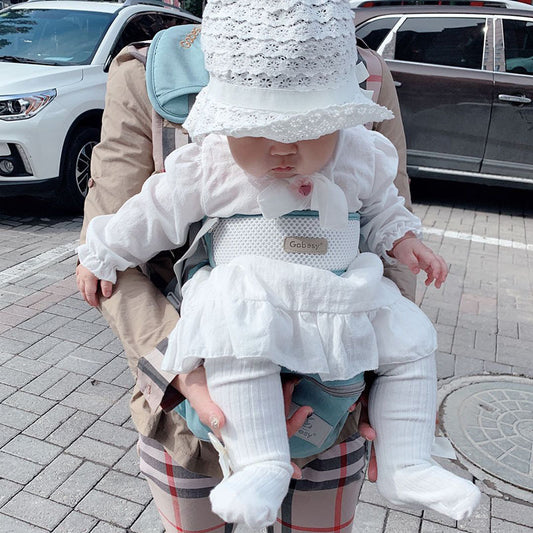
{"points": [[54, 57]]}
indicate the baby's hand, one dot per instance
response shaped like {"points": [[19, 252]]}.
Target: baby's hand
{"points": [[413, 253], [88, 286]]}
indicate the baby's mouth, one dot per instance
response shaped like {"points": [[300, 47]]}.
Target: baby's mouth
{"points": [[283, 169]]}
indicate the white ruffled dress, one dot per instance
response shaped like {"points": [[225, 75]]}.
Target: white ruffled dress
{"points": [[307, 319]]}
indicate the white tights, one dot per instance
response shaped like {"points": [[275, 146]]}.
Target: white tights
{"points": [[402, 410], [249, 393]]}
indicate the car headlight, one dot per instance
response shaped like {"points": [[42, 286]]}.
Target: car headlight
{"points": [[22, 106]]}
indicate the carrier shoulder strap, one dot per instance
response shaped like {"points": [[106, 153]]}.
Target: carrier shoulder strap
{"points": [[166, 137], [375, 71], [160, 149], [375, 74], [175, 73]]}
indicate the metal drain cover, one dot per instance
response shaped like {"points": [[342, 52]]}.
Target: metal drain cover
{"points": [[490, 423]]}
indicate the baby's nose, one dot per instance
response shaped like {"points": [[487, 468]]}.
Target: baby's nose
{"points": [[283, 148]]}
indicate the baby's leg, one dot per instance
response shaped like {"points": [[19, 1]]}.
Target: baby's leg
{"points": [[402, 408], [249, 393]]}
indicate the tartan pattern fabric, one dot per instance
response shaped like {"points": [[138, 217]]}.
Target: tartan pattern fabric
{"points": [[323, 501]]}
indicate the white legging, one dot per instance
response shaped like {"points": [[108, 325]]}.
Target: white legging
{"points": [[402, 410]]}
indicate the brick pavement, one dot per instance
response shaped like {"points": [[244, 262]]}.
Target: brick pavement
{"points": [[67, 444]]}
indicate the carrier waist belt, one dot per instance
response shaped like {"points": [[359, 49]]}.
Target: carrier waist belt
{"points": [[296, 238]]}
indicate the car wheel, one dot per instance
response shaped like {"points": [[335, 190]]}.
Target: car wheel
{"points": [[76, 167]]}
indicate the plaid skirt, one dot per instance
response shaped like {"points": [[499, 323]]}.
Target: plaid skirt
{"points": [[323, 501]]}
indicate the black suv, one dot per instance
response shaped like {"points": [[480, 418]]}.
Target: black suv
{"points": [[464, 76]]}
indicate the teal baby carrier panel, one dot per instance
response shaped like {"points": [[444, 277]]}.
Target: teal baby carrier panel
{"points": [[175, 71], [330, 401], [255, 235]]}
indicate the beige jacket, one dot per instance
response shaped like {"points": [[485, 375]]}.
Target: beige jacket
{"points": [[137, 312]]}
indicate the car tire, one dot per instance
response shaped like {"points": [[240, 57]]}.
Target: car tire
{"points": [[76, 168]]}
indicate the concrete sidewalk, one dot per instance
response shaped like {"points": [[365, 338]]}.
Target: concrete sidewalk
{"points": [[67, 446]]}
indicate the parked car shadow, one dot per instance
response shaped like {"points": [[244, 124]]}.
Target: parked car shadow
{"points": [[34, 207], [508, 201]]}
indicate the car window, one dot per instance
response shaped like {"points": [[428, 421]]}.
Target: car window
{"points": [[51, 36], [168, 21], [518, 38], [451, 41], [144, 27], [376, 30]]}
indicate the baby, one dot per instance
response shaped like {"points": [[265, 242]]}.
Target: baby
{"points": [[278, 134]]}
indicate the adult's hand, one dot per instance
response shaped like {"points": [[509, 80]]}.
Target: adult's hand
{"points": [[297, 419], [368, 433]]}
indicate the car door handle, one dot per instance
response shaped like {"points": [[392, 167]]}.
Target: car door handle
{"points": [[397, 84], [514, 99]]}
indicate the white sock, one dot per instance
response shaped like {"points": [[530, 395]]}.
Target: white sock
{"points": [[402, 409], [255, 435]]}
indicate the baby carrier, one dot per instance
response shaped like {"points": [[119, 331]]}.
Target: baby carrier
{"points": [[174, 75]]}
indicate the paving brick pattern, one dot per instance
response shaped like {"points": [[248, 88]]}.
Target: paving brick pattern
{"points": [[67, 446]]}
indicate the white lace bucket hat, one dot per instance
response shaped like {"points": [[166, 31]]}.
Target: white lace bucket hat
{"points": [[284, 70]]}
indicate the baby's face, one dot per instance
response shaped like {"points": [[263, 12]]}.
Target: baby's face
{"points": [[263, 157]]}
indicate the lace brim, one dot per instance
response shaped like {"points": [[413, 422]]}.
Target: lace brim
{"points": [[208, 117]]}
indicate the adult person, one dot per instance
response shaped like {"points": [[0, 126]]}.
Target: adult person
{"points": [[142, 318]]}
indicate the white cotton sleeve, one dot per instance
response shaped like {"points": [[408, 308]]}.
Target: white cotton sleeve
{"points": [[154, 220], [384, 218]]}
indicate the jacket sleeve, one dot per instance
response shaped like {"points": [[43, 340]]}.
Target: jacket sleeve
{"points": [[122, 161], [155, 219], [138, 312], [393, 130]]}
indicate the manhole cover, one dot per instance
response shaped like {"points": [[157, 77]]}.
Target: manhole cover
{"points": [[491, 424]]}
